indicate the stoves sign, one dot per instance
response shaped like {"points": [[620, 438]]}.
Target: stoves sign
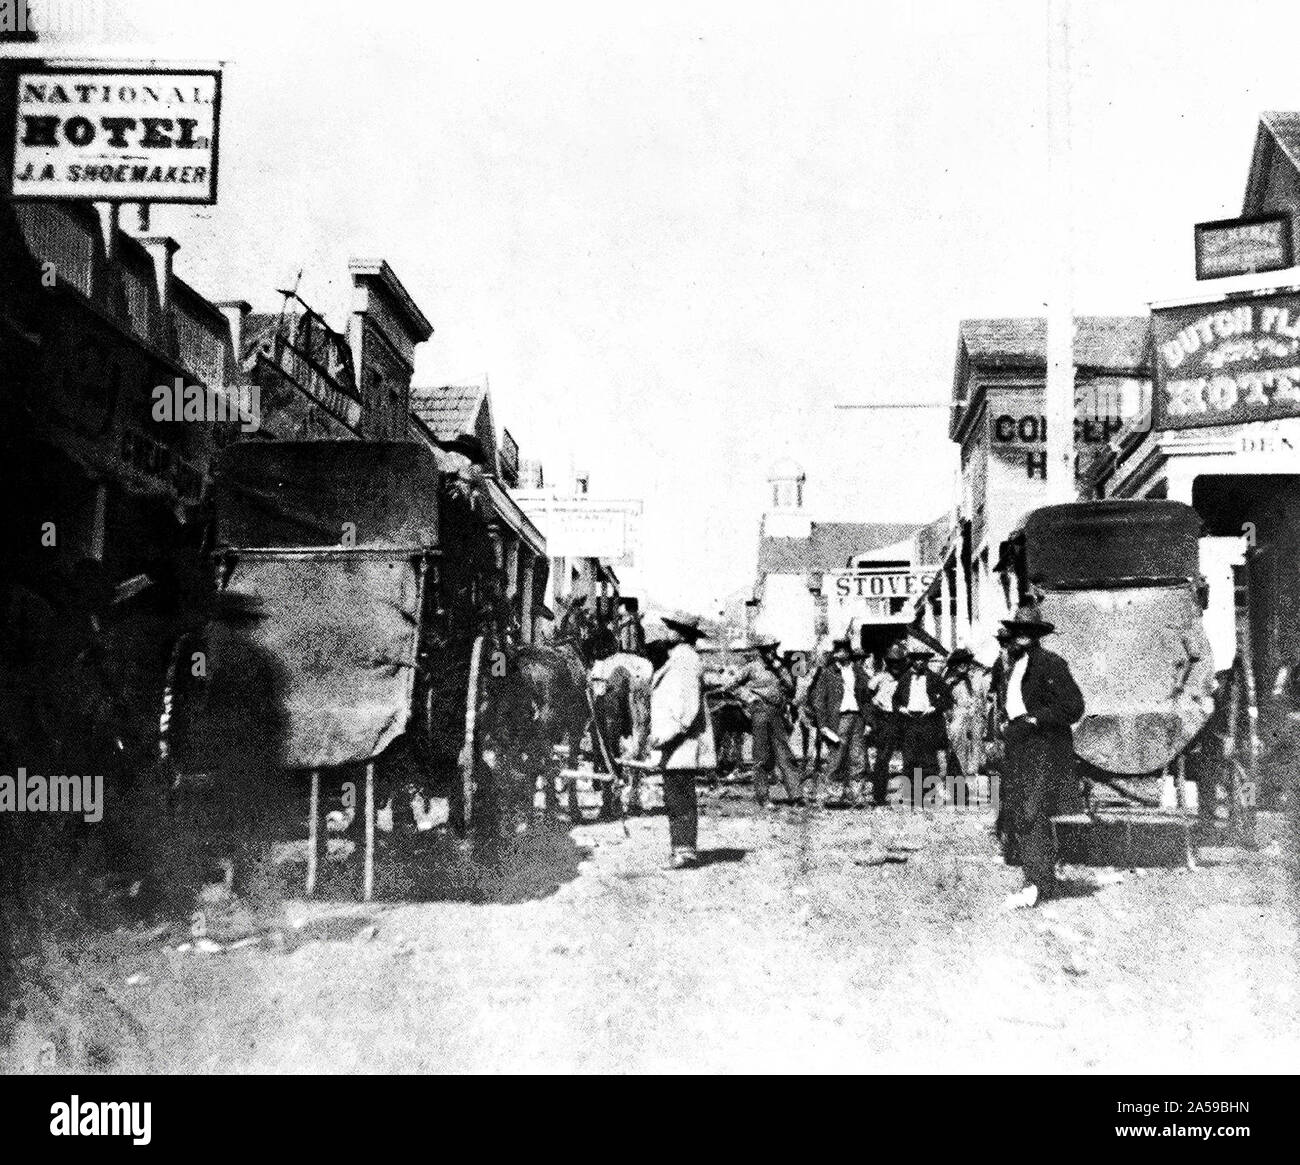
{"points": [[1226, 363], [117, 135]]}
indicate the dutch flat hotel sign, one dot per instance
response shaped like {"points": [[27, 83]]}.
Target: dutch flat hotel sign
{"points": [[117, 135], [1227, 363]]}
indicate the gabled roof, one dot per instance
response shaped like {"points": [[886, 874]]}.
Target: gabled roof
{"points": [[1278, 135], [1110, 343], [829, 546], [451, 411], [1113, 345]]}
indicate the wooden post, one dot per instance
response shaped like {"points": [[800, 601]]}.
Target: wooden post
{"points": [[368, 873], [313, 833], [1059, 390]]}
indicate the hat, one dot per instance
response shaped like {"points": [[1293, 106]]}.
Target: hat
{"points": [[960, 656], [233, 605], [1028, 620], [656, 632], [685, 625], [843, 643], [919, 653]]}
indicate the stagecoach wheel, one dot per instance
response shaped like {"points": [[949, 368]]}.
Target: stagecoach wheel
{"points": [[466, 802]]}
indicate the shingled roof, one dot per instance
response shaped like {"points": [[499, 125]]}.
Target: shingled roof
{"points": [[1108, 343], [829, 546], [450, 411], [1278, 133]]}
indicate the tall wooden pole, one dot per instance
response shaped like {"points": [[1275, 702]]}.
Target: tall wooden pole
{"points": [[313, 834], [1059, 405]]}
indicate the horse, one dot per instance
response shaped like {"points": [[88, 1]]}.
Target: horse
{"points": [[620, 685], [541, 700]]}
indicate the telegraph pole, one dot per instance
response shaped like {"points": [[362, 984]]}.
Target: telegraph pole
{"points": [[1059, 404]]}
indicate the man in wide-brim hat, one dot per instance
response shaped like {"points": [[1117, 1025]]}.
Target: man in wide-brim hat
{"points": [[1043, 703], [840, 698], [681, 730], [920, 701], [886, 724], [766, 687]]}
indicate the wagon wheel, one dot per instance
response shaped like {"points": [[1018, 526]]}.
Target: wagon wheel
{"points": [[467, 789]]}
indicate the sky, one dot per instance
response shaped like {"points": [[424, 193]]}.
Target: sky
{"points": [[676, 236]]}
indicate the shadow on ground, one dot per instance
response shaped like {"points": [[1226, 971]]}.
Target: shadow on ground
{"points": [[713, 857], [440, 867]]}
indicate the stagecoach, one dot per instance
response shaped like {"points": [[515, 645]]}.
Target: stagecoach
{"points": [[1121, 581], [350, 637]]}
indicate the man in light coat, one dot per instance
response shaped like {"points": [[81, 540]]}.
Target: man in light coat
{"points": [[680, 729]]}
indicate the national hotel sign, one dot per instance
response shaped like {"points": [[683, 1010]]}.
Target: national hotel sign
{"points": [[1227, 363], [117, 135]]}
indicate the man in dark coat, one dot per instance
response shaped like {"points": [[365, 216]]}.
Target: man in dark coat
{"points": [[920, 701], [839, 700], [1043, 703]]}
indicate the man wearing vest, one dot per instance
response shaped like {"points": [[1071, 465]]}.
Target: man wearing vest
{"points": [[886, 724], [920, 701]]}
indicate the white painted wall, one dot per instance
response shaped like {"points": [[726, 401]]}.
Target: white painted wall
{"points": [[788, 611]]}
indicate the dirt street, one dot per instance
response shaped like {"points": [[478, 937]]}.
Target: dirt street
{"points": [[831, 940]]}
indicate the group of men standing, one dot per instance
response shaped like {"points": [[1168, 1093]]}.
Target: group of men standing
{"points": [[898, 708], [852, 708]]}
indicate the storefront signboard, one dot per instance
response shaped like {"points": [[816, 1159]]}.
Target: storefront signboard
{"points": [[116, 134], [874, 596], [1227, 363], [1242, 246], [585, 527]]}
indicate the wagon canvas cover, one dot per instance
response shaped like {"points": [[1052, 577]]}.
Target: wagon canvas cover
{"points": [[1142, 660], [326, 668], [1118, 579], [312, 493]]}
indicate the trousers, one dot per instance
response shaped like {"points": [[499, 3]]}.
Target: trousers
{"points": [[1029, 777], [772, 752], [888, 740], [848, 763], [682, 808], [923, 737]]}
